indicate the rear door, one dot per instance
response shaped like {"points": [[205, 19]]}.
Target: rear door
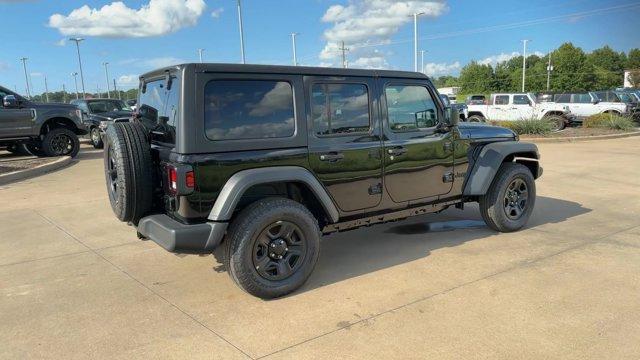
{"points": [[344, 139], [15, 122], [418, 157], [499, 108]]}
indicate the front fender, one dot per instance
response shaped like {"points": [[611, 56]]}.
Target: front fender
{"points": [[491, 157]]}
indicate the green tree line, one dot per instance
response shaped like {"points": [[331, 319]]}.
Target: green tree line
{"points": [[66, 96], [573, 70]]}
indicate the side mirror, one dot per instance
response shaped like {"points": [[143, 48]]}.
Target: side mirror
{"points": [[595, 101], [453, 117], [10, 101]]}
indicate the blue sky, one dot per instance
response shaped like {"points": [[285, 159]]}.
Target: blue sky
{"points": [[379, 33]]}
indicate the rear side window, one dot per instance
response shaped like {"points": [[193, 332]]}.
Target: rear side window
{"points": [[501, 100], [340, 109], [248, 109], [563, 98]]}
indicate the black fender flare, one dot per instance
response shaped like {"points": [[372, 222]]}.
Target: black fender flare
{"points": [[241, 181], [491, 157]]}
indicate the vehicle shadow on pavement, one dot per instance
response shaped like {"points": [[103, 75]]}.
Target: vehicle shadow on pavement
{"points": [[362, 251]]}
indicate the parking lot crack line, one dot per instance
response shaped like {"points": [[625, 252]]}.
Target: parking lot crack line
{"points": [[143, 284], [519, 265]]}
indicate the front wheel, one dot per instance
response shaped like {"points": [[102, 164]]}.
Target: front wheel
{"points": [[557, 122], [60, 142], [509, 202], [476, 118], [96, 138], [272, 247]]}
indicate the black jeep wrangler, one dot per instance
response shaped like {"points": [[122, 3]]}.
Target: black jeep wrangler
{"points": [[267, 158], [43, 129]]}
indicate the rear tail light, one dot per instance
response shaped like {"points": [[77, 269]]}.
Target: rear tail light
{"points": [[172, 176], [190, 180], [181, 180]]}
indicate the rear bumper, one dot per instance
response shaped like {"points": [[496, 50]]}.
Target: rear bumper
{"points": [[175, 236]]}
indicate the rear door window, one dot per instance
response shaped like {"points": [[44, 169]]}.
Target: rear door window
{"points": [[340, 109], [501, 100], [248, 109]]}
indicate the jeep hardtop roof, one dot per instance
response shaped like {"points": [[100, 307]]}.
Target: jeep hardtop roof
{"points": [[283, 69]]}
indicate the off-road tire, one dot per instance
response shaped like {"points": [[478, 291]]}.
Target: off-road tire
{"points": [[128, 165], [33, 149], [96, 138], [557, 122], [492, 203], [242, 236], [49, 140], [476, 118]]}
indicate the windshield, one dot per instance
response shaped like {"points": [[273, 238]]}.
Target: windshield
{"points": [[104, 106], [158, 109]]}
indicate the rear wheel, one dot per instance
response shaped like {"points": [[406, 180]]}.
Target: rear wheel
{"points": [[508, 203], [272, 247], [60, 142], [127, 165], [96, 138]]}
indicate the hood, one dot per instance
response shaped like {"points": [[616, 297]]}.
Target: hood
{"points": [[478, 131], [113, 115]]}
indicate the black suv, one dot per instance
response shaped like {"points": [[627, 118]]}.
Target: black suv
{"points": [[268, 158], [44, 129], [98, 113]]}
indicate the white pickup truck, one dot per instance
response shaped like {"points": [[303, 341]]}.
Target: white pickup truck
{"points": [[583, 105], [522, 106]]}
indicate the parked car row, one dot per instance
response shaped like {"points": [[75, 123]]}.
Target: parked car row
{"points": [[52, 129], [585, 104]]}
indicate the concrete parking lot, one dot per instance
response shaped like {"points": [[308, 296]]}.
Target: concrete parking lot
{"points": [[76, 283]]}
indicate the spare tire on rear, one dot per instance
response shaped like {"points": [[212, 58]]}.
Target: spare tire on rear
{"points": [[128, 171]]}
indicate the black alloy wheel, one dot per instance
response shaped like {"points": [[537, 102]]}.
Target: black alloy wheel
{"points": [[516, 198], [279, 250], [61, 144]]}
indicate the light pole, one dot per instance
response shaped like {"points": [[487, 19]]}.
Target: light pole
{"points": [[293, 43], [26, 77], [549, 70], [422, 60], [344, 54], [200, 51], [75, 80], [241, 31], [64, 94], [115, 88], [46, 89], [106, 74], [415, 40], [524, 62], [77, 41]]}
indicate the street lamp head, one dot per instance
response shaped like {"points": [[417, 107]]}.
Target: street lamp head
{"points": [[78, 39]]}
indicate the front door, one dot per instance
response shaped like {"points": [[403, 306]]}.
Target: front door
{"points": [[15, 122], [418, 154], [344, 139], [523, 108]]}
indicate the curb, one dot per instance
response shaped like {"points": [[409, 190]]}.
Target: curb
{"points": [[36, 171], [582, 138]]}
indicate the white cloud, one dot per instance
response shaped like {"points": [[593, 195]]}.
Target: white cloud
{"points": [[438, 69], [36, 74], [372, 62], [61, 42], [128, 80], [216, 13], [366, 22], [153, 63], [4, 66], [502, 57], [158, 17]]}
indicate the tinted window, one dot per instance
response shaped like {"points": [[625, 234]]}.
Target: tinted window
{"points": [[248, 109], [158, 109], [581, 98], [410, 108], [103, 106], [340, 108], [563, 98], [520, 100], [501, 100]]}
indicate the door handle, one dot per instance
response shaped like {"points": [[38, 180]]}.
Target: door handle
{"points": [[333, 156], [397, 151]]}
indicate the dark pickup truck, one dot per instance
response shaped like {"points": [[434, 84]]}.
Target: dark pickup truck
{"points": [[266, 159], [44, 129]]}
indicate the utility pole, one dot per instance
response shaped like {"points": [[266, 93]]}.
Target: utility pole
{"points": [[524, 62], [549, 70], [422, 61], [293, 43], [116, 89], [241, 31], [106, 74], [415, 41], [26, 77], [99, 95], [344, 55], [46, 89], [77, 41], [200, 54], [75, 80], [64, 94]]}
